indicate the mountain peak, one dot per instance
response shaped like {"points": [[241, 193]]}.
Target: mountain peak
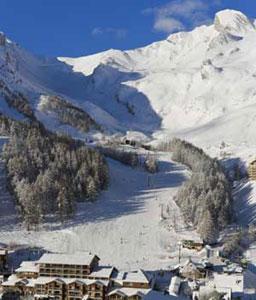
{"points": [[233, 22]]}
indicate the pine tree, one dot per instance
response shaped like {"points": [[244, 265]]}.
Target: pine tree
{"points": [[208, 229], [91, 188], [65, 207], [151, 164]]}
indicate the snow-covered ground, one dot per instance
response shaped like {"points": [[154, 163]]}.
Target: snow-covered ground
{"points": [[123, 227], [198, 85]]}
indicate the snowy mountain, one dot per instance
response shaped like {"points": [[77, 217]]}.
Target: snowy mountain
{"points": [[199, 85]]}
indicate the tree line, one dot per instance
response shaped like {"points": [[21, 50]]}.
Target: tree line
{"points": [[130, 158], [68, 114], [48, 173], [205, 200]]}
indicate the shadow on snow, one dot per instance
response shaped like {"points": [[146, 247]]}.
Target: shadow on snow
{"points": [[129, 189]]}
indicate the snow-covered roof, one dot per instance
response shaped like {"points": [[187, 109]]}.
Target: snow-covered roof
{"points": [[41, 296], [146, 294], [14, 280], [235, 282], [233, 268], [44, 280], [102, 272], [136, 276], [129, 292], [79, 258], [192, 265], [11, 280], [206, 290], [28, 267]]}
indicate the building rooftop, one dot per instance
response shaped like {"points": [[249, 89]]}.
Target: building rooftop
{"points": [[102, 272], [13, 280], [79, 258], [129, 292], [136, 276], [147, 294], [233, 281], [28, 267], [45, 280]]}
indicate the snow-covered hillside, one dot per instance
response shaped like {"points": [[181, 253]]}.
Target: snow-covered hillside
{"points": [[124, 226], [199, 85]]}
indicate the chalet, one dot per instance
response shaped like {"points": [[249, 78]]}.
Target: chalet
{"points": [[49, 287], [193, 270], [136, 279], [252, 170], [27, 269], [127, 294], [70, 289], [78, 265], [102, 273], [76, 289], [97, 289], [20, 286]]}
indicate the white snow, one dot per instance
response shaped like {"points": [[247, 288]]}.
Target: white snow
{"points": [[198, 85], [77, 258], [123, 227], [233, 22]]}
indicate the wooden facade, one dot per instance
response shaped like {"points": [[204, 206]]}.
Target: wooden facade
{"points": [[67, 270], [77, 290], [27, 274], [21, 287], [80, 278], [252, 170], [136, 285]]}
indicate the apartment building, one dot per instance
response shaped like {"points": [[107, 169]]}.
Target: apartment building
{"points": [[78, 265], [75, 277]]}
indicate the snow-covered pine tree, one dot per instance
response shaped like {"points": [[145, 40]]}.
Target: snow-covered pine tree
{"points": [[208, 229]]}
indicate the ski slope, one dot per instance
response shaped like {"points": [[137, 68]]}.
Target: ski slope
{"points": [[124, 226]]}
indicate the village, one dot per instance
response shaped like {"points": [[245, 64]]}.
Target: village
{"points": [[80, 276]]}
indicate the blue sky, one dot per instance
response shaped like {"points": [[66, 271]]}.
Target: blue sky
{"points": [[81, 27]]}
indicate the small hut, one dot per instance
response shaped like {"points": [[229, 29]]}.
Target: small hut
{"points": [[193, 270]]}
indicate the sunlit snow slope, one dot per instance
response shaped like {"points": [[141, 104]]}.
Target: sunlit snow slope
{"points": [[200, 84]]}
